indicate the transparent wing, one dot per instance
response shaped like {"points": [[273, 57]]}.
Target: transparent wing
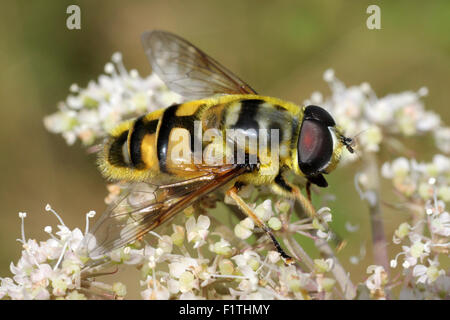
{"points": [[187, 70], [144, 206]]}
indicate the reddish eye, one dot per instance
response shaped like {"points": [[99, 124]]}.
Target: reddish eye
{"points": [[315, 147]]}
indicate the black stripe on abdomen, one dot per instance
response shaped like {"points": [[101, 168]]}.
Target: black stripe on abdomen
{"points": [[151, 126], [140, 129], [247, 115], [135, 141], [168, 120], [115, 154]]}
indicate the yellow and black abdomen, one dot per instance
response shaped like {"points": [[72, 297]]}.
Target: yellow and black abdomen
{"points": [[137, 150], [141, 149]]}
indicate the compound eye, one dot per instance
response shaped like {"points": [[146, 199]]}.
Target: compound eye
{"points": [[315, 147], [319, 114]]}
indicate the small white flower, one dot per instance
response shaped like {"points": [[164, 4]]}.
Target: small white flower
{"points": [[41, 274], [428, 122], [176, 269], [251, 281], [60, 284], [273, 256], [292, 279], [380, 112], [165, 243], [401, 232], [323, 235], [133, 256], [109, 68], [440, 224], [119, 288], [442, 163], [116, 57], [245, 258], [160, 293], [428, 274], [274, 223], [221, 247], [325, 214], [264, 210], [328, 75], [400, 167], [187, 282], [173, 286], [155, 290], [189, 295], [316, 98], [244, 228], [417, 251], [371, 138], [197, 231], [323, 265], [442, 138]]}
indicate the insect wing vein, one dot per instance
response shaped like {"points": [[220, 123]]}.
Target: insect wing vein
{"points": [[187, 70]]}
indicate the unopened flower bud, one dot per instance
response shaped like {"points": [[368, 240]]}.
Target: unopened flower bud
{"points": [[119, 289]]}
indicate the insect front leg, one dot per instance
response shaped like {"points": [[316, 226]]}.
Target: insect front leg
{"points": [[233, 193], [308, 190], [282, 187]]}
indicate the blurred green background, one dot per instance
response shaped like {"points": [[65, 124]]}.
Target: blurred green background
{"points": [[281, 48]]}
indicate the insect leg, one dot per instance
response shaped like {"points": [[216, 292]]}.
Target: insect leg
{"points": [[294, 192], [286, 189], [249, 212], [308, 190]]}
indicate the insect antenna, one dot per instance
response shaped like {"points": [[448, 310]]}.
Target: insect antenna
{"points": [[352, 144], [95, 148]]}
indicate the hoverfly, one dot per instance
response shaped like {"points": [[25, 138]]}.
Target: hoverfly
{"points": [[140, 151]]}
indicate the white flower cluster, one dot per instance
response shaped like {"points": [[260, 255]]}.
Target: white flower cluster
{"points": [[244, 229], [194, 262], [420, 180], [88, 114], [49, 269], [426, 238], [373, 121]]}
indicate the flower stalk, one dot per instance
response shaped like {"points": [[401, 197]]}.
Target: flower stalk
{"points": [[379, 243]]}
